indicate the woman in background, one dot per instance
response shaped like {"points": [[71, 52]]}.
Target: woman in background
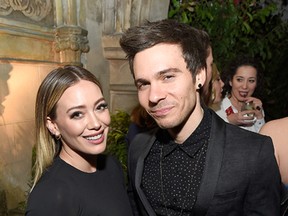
{"points": [[215, 88], [72, 177], [242, 83]]}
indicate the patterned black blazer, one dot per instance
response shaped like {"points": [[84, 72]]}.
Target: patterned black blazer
{"points": [[241, 175]]}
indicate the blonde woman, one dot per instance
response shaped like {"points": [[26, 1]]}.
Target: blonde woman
{"points": [[215, 87], [72, 177]]}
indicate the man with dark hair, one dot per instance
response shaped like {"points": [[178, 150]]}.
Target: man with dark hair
{"points": [[194, 163]]}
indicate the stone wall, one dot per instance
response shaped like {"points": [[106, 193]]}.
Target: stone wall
{"points": [[18, 86]]}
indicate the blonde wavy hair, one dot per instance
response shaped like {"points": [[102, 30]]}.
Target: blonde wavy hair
{"points": [[209, 97], [49, 93]]}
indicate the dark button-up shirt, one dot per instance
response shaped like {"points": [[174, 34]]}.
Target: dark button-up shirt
{"points": [[173, 172]]}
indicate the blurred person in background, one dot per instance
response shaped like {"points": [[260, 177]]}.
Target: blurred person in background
{"points": [[241, 106]]}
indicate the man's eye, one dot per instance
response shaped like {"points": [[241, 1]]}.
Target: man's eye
{"points": [[76, 115], [102, 106], [167, 77], [141, 85]]}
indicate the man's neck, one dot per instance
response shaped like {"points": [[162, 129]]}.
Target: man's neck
{"points": [[183, 131]]}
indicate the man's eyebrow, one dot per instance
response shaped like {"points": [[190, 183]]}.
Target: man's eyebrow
{"points": [[140, 81], [168, 70], [158, 74]]}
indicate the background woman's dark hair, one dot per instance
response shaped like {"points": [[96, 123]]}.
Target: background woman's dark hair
{"points": [[231, 69]]}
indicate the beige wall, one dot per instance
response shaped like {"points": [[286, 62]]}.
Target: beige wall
{"points": [[18, 86]]}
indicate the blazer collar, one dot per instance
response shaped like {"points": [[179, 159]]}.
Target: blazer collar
{"points": [[212, 165], [148, 141]]}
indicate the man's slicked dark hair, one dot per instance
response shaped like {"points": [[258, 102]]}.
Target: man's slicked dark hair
{"points": [[192, 41]]}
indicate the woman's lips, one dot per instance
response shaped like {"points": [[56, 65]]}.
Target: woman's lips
{"points": [[243, 94]]}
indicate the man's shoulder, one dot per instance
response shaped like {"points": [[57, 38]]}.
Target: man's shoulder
{"points": [[239, 133], [236, 133]]}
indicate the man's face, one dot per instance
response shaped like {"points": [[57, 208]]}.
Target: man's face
{"points": [[165, 86]]}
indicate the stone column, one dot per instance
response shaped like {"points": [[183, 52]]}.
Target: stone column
{"points": [[70, 43], [70, 39]]}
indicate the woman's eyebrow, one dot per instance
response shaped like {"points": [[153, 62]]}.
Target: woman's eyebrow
{"points": [[83, 106]]}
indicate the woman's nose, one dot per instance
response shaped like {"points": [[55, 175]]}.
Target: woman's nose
{"points": [[93, 122], [221, 83], [245, 85]]}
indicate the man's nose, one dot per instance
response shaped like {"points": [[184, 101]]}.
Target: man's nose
{"points": [[156, 93]]}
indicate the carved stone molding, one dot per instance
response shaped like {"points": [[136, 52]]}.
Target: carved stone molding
{"points": [[34, 9], [119, 16], [71, 42]]}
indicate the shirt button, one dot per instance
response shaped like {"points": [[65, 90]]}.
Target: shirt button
{"points": [[175, 200]]}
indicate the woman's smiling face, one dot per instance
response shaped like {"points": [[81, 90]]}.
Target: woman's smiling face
{"points": [[82, 119], [243, 83]]}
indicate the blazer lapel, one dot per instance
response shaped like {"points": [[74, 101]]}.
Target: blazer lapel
{"points": [[212, 165], [147, 140]]}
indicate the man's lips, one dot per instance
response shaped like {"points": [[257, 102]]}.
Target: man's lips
{"points": [[161, 112]]}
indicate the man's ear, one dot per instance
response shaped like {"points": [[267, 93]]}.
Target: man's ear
{"points": [[201, 78], [52, 126]]}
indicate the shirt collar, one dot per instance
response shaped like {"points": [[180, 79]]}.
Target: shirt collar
{"points": [[193, 143]]}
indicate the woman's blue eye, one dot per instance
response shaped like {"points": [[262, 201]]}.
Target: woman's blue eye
{"points": [[102, 106], [76, 115]]}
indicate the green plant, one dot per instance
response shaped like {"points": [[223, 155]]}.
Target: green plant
{"points": [[116, 144], [252, 27]]}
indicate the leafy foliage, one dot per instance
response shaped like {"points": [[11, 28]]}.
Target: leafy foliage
{"points": [[116, 144], [250, 27]]}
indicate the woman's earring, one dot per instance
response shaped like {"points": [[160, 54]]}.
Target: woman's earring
{"points": [[58, 137], [199, 85]]}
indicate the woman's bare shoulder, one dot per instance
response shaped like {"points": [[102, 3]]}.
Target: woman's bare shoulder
{"points": [[275, 126]]}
